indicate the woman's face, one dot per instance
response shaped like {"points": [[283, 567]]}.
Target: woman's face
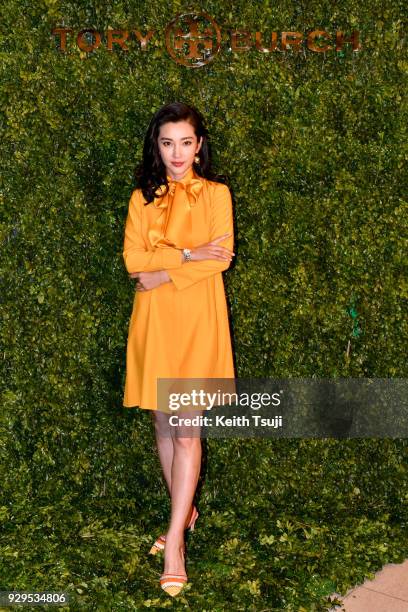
{"points": [[178, 145]]}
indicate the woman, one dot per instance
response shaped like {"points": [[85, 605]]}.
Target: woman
{"points": [[178, 240]]}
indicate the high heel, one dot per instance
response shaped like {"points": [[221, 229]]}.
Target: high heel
{"points": [[159, 544], [173, 583], [194, 516]]}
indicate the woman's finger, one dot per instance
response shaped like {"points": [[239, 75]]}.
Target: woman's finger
{"points": [[220, 250], [216, 240], [225, 250]]}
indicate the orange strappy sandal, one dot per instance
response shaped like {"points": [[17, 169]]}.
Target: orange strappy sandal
{"points": [[159, 544], [173, 583]]}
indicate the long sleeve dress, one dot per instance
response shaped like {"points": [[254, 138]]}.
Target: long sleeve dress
{"points": [[179, 329]]}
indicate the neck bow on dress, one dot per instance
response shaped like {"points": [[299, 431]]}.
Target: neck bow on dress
{"points": [[173, 227]]}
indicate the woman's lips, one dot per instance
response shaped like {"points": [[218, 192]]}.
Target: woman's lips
{"points": [[177, 163]]}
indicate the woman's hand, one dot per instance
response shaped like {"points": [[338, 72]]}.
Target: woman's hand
{"points": [[211, 250], [145, 281]]}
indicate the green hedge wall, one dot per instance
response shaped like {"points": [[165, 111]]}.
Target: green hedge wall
{"points": [[314, 145]]}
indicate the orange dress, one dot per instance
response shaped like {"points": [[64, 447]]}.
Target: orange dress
{"points": [[179, 329]]}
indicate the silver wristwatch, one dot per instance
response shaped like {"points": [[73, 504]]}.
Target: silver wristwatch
{"points": [[187, 254]]}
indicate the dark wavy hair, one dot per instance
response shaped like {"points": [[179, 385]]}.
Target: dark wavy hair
{"points": [[150, 174]]}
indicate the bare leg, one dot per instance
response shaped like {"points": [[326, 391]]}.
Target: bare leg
{"points": [[164, 444], [180, 458], [184, 477]]}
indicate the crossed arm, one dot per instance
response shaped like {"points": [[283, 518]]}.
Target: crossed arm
{"points": [[165, 264]]}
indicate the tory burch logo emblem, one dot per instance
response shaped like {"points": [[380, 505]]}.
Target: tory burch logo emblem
{"points": [[193, 39]]}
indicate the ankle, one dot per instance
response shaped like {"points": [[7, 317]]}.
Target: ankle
{"points": [[175, 533], [174, 561]]}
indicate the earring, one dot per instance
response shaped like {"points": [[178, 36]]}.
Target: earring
{"points": [[197, 159]]}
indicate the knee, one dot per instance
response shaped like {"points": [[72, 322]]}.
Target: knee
{"points": [[188, 445], [161, 425]]}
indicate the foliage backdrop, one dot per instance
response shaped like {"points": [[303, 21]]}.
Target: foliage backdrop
{"points": [[314, 145]]}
